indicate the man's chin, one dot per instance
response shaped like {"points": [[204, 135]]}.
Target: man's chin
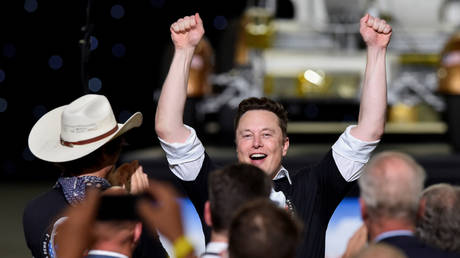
{"points": [[267, 171], [260, 164]]}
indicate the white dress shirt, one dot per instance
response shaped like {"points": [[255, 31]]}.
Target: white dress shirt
{"points": [[106, 253], [350, 155], [215, 249]]}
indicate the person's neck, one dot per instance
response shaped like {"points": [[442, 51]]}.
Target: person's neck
{"points": [[380, 227], [124, 249], [219, 236], [275, 173], [100, 173]]}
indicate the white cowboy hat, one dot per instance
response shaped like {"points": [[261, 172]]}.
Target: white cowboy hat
{"points": [[75, 130]]}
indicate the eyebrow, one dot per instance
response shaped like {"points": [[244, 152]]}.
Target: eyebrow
{"points": [[262, 130], [244, 131]]}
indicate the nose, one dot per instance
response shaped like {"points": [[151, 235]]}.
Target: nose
{"points": [[257, 142]]}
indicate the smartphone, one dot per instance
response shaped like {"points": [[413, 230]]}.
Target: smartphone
{"points": [[119, 207]]}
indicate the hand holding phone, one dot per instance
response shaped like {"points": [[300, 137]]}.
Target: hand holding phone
{"points": [[165, 215], [117, 204]]}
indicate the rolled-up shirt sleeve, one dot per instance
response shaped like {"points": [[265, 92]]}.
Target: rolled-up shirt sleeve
{"points": [[185, 159], [351, 154]]}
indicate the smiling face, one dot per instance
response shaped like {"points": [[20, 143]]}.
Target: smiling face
{"points": [[260, 141]]}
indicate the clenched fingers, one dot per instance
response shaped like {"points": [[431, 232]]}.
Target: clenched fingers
{"points": [[184, 24], [378, 25]]}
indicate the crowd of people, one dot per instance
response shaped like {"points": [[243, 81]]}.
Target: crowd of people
{"points": [[254, 208]]}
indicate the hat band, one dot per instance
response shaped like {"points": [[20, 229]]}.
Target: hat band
{"points": [[94, 139]]}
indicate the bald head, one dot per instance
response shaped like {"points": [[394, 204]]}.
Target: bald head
{"points": [[391, 185]]}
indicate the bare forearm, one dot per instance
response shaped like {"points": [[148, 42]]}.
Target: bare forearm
{"points": [[169, 115], [372, 112]]}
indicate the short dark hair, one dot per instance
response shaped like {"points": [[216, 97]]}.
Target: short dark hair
{"points": [[233, 186], [94, 161], [259, 227], [116, 217], [263, 104]]}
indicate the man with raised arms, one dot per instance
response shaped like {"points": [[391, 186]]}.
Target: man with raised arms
{"points": [[261, 139]]}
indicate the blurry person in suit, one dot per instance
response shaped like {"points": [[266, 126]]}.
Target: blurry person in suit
{"points": [[390, 190]]}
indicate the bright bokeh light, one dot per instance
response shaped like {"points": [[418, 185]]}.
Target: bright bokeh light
{"points": [[220, 22], [2, 75], [3, 105], [93, 43], [117, 11], [95, 84], [55, 62], [313, 77], [119, 50], [30, 6]]}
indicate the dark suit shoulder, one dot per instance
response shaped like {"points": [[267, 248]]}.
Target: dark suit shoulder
{"points": [[45, 206], [49, 198], [413, 247], [317, 169], [39, 214]]}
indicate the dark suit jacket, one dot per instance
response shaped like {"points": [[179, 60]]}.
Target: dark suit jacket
{"points": [[413, 247], [315, 193]]}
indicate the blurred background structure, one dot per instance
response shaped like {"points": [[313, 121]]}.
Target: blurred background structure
{"points": [[307, 54]]}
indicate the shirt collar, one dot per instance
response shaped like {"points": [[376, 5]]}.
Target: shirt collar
{"points": [[107, 253], [283, 173], [216, 247], [393, 233], [278, 198]]}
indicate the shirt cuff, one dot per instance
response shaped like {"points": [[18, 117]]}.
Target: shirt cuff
{"points": [[352, 148], [178, 153]]}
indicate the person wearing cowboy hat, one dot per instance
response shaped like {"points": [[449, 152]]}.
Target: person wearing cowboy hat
{"points": [[84, 140]]}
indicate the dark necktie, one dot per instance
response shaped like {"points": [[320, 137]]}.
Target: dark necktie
{"points": [[283, 185]]}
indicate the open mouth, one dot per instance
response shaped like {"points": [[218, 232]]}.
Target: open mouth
{"points": [[257, 156]]}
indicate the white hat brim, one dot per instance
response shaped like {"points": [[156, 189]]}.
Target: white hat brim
{"points": [[45, 140]]}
